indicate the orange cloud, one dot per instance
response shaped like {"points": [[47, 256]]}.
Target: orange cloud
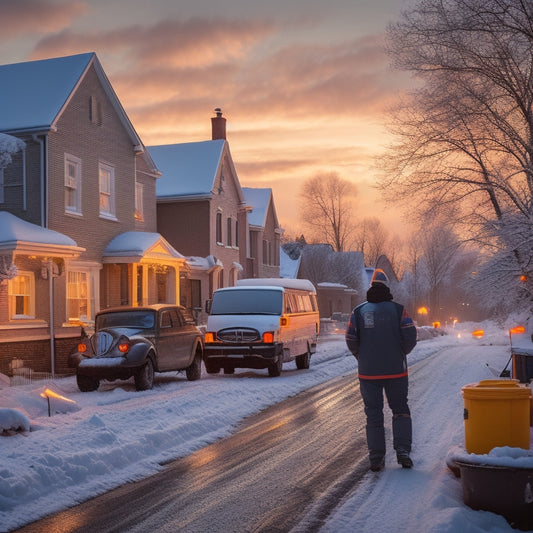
{"points": [[20, 17], [293, 109], [173, 44]]}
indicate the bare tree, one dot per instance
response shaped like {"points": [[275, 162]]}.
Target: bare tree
{"points": [[326, 209], [465, 136], [371, 238]]}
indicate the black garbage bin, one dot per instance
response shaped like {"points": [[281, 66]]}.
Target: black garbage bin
{"points": [[523, 364]]}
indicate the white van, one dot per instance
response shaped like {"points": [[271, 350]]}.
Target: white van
{"points": [[261, 323]]}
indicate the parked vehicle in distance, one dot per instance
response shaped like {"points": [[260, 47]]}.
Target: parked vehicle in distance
{"points": [[261, 323], [138, 341]]}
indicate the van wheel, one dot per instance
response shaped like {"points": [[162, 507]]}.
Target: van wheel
{"points": [[275, 370], [303, 361]]}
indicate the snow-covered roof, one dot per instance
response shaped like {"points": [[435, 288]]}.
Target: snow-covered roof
{"points": [[204, 263], [25, 237], [288, 268], [33, 93], [188, 169], [132, 246], [303, 284], [259, 200]]}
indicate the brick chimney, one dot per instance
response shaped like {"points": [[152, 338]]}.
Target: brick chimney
{"points": [[218, 125]]}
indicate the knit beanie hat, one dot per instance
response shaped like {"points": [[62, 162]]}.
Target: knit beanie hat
{"points": [[379, 288], [379, 277]]}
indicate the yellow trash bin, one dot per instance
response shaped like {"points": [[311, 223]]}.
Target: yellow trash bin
{"points": [[496, 413]]}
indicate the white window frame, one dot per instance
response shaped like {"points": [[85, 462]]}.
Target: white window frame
{"points": [[92, 276], [107, 190], [31, 296], [73, 183], [139, 201], [78, 290]]}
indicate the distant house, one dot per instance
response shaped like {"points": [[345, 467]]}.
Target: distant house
{"points": [[202, 211], [340, 277], [87, 187], [264, 234]]}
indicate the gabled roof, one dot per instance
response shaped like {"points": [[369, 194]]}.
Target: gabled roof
{"points": [[189, 170], [34, 94], [133, 246], [259, 200], [26, 238], [288, 268]]}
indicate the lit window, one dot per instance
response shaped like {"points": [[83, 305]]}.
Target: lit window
{"points": [[107, 190], [72, 184], [78, 295], [22, 295], [139, 210]]}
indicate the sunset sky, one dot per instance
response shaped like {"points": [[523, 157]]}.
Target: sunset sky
{"points": [[304, 84]]}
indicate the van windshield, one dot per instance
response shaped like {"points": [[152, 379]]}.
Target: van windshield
{"points": [[247, 302]]}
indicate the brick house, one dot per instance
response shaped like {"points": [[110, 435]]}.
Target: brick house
{"points": [[202, 211], [264, 234], [85, 175]]}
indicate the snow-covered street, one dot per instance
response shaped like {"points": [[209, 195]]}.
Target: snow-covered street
{"points": [[100, 440]]}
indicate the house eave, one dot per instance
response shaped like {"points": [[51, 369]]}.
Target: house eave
{"points": [[43, 129], [184, 198], [41, 249]]}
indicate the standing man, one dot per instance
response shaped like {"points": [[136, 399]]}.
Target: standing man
{"points": [[380, 334]]}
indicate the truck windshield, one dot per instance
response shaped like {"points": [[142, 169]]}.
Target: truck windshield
{"points": [[127, 319], [247, 302]]}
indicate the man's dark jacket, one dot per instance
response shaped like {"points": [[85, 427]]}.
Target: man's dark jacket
{"points": [[380, 334]]}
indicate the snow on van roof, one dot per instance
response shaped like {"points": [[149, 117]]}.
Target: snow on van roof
{"points": [[302, 284]]}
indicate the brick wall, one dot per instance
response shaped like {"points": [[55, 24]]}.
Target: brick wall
{"points": [[36, 355]]}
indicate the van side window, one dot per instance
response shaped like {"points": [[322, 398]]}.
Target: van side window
{"points": [[293, 302], [287, 304]]}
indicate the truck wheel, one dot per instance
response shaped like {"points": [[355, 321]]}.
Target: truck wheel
{"points": [[144, 378], [87, 383], [303, 361], [229, 370], [275, 370], [194, 370]]}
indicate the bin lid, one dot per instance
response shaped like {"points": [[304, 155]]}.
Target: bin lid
{"points": [[496, 389]]}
